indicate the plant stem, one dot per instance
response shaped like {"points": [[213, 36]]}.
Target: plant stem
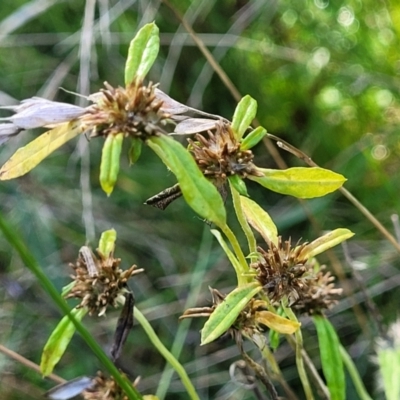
{"points": [[176, 365], [242, 280], [357, 381], [16, 242], [299, 357], [194, 291], [275, 370], [251, 240]]}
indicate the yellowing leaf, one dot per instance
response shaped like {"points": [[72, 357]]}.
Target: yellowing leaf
{"points": [[260, 220], [227, 312], [277, 323], [58, 341], [325, 242], [304, 183], [107, 242], [27, 157]]}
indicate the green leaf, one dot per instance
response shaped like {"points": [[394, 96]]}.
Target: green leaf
{"points": [[198, 192], [238, 183], [260, 220], [226, 313], [135, 151], [244, 114], [253, 138], [58, 341], [331, 360], [273, 339], [27, 157], [325, 242], [304, 183], [110, 158], [107, 242], [232, 258], [67, 288], [142, 53]]}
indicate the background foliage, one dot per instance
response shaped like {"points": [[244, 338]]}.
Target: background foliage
{"points": [[326, 78]]}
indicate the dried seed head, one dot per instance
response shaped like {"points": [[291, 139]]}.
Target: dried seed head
{"points": [[134, 111], [105, 389], [321, 294], [219, 156], [283, 272], [106, 288]]}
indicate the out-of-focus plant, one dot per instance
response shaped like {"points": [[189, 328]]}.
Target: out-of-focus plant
{"points": [[276, 281]]}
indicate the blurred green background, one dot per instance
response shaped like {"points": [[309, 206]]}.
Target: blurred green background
{"points": [[326, 75]]}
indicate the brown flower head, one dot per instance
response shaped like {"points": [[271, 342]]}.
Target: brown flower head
{"points": [[105, 389], [219, 156], [99, 282], [321, 294], [282, 272], [134, 111]]}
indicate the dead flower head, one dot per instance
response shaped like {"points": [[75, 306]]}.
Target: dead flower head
{"points": [[99, 282], [219, 156], [134, 111], [321, 294], [105, 389], [285, 273]]}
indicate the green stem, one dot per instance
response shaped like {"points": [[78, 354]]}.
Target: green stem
{"points": [[176, 365], [251, 240], [242, 279], [299, 357], [351, 368], [276, 371], [16, 242], [194, 291]]}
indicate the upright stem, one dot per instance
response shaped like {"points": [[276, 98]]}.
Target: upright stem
{"points": [[15, 240], [251, 240], [239, 254], [299, 357], [176, 365]]}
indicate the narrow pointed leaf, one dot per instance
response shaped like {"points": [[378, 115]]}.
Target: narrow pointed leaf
{"points": [[198, 192], [110, 159], [260, 220], [244, 114], [135, 151], [27, 157], [226, 313], [232, 258], [331, 360], [273, 337], [58, 341], [142, 53], [325, 242], [253, 138], [107, 242], [239, 184], [304, 183], [277, 323]]}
